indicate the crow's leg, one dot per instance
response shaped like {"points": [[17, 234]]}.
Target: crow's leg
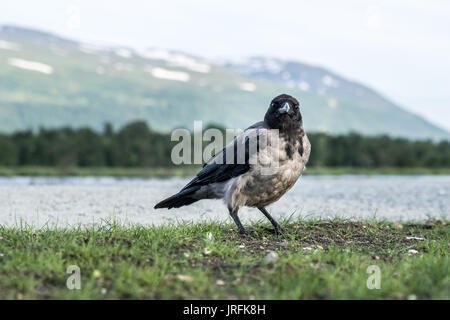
{"points": [[238, 222], [272, 220]]}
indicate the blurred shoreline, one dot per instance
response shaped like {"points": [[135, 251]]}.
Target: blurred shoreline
{"points": [[185, 171]]}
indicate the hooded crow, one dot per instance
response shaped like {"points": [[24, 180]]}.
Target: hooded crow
{"points": [[257, 168]]}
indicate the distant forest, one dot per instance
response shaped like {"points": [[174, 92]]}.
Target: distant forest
{"points": [[136, 145]]}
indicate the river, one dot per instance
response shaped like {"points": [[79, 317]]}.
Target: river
{"points": [[85, 201]]}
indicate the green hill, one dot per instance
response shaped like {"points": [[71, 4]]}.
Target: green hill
{"points": [[49, 81]]}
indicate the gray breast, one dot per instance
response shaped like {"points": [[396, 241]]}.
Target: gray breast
{"points": [[256, 188]]}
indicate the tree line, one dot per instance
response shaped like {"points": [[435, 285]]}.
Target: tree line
{"points": [[137, 145]]}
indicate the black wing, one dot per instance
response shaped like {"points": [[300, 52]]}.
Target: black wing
{"points": [[218, 171]]}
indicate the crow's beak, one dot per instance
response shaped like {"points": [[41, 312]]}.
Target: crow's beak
{"points": [[284, 108]]}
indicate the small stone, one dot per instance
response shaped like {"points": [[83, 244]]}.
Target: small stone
{"points": [[261, 247], [429, 224], [168, 277], [315, 266], [96, 274], [207, 251], [398, 226], [242, 246], [270, 258], [184, 278], [220, 282], [412, 252], [398, 296]]}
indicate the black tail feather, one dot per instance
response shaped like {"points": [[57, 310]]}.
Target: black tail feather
{"points": [[182, 198]]}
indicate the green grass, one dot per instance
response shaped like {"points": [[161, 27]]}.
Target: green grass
{"points": [[317, 260], [192, 170]]}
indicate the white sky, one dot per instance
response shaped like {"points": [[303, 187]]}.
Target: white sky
{"points": [[399, 47]]}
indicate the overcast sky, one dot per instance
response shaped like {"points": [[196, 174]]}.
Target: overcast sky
{"points": [[399, 47]]}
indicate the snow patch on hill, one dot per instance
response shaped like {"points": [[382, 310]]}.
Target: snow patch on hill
{"points": [[30, 65], [176, 60], [6, 45], [90, 48], [332, 103], [304, 86], [124, 53], [248, 86], [169, 74], [253, 64], [330, 81]]}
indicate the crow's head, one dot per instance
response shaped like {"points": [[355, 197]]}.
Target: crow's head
{"points": [[284, 113]]}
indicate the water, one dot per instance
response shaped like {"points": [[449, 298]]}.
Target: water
{"points": [[89, 200]]}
